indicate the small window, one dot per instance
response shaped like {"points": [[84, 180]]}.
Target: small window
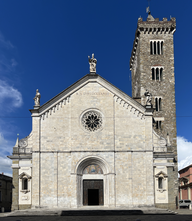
{"points": [[161, 74], [156, 47], [162, 47], [25, 184], [157, 73], [10, 196], [151, 47], [158, 106], [153, 73], [158, 124], [160, 183]]}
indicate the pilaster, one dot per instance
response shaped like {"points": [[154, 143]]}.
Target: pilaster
{"points": [[15, 190]]}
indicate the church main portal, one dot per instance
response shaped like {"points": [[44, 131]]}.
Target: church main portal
{"points": [[93, 193]]}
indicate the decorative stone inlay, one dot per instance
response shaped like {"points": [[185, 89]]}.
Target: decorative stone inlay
{"points": [[93, 169], [92, 121]]}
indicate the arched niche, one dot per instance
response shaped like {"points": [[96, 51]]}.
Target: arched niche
{"points": [[104, 173]]}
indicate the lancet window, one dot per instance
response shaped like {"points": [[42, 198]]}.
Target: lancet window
{"points": [[157, 73], [156, 47], [158, 105]]}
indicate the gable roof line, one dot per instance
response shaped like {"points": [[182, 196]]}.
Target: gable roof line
{"points": [[80, 83]]}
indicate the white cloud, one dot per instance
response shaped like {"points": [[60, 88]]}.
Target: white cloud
{"points": [[6, 148], [184, 148], [9, 97], [5, 165]]}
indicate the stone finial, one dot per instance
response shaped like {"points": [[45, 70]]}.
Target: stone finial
{"points": [[148, 97], [92, 63], [17, 141], [37, 99]]}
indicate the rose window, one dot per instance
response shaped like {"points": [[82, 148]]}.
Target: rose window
{"points": [[92, 121]]}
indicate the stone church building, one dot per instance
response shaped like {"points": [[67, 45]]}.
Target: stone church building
{"points": [[93, 144]]}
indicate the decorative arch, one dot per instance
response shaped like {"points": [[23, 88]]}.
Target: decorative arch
{"points": [[88, 160], [107, 176]]}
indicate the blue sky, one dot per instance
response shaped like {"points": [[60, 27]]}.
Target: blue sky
{"points": [[44, 44]]}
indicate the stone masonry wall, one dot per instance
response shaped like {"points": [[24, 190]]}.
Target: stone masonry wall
{"points": [[124, 143]]}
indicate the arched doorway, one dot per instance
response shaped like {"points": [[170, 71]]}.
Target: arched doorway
{"points": [[94, 178], [93, 186]]}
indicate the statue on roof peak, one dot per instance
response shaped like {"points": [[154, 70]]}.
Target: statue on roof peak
{"points": [[92, 63]]}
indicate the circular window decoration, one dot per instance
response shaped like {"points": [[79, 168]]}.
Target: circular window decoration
{"points": [[92, 121]]}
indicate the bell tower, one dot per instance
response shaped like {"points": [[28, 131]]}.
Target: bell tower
{"points": [[152, 69]]}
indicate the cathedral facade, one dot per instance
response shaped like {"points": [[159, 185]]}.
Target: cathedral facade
{"points": [[92, 144]]}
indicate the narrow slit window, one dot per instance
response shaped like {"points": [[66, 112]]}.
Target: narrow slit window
{"points": [[160, 104], [157, 74], [161, 74], [153, 74], [25, 184], [158, 47], [154, 47], [162, 47], [158, 124], [151, 47], [156, 103], [160, 183]]}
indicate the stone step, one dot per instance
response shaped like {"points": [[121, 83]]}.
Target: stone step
{"points": [[90, 212]]}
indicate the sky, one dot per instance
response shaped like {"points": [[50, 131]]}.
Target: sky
{"points": [[44, 44]]}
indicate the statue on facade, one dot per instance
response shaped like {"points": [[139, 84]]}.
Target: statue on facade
{"points": [[92, 63], [37, 98], [148, 97]]}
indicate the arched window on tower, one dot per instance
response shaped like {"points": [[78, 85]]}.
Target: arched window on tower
{"points": [[153, 73], [157, 73], [158, 105], [156, 47], [151, 47], [162, 47], [161, 74]]}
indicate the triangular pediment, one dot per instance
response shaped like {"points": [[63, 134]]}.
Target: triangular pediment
{"points": [[63, 98], [161, 174]]}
